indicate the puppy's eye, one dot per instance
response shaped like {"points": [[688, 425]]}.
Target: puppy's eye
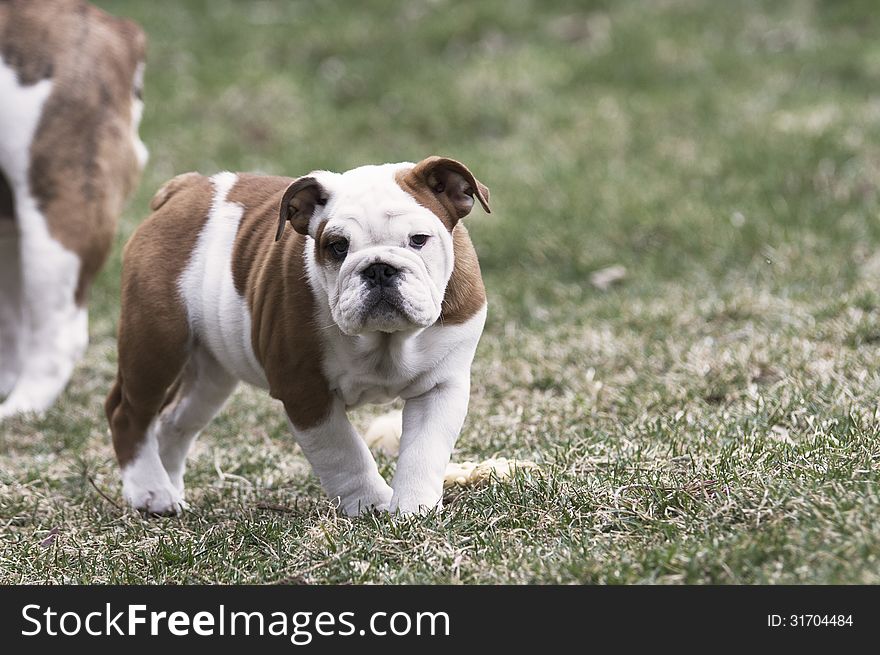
{"points": [[418, 240], [339, 249]]}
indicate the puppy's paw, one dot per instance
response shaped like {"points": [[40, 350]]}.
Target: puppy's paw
{"points": [[378, 499], [158, 498]]}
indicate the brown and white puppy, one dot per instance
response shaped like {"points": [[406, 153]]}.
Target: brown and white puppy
{"points": [[374, 295], [70, 86]]}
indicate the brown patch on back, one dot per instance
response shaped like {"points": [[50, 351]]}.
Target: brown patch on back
{"points": [[154, 334], [171, 187], [83, 162], [272, 277], [7, 200]]}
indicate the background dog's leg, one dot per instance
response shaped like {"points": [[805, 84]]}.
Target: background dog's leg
{"points": [[343, 463], [203, 390], [55, 328], [47, 279], [431, 424], [10, 305]]}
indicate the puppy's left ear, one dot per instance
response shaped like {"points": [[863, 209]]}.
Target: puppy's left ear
{"points": [[301, 199], [452, 183]]}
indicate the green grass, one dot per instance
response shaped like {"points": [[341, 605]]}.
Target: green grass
{"points": [[713, 418]]}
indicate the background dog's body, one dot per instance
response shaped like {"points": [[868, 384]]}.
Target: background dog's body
{"points": [[70, 86]]}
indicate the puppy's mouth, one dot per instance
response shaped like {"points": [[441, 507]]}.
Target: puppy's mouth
{"points": [[363, 304], [384, 303]]}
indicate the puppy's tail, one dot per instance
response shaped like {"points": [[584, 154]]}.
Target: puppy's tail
{"points": [[171, 187]]}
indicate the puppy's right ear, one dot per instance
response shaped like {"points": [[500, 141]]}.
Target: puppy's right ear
{"points": [[298, 205]]}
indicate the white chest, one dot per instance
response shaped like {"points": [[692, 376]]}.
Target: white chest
{"points": [[379, 368], [376, 368]]}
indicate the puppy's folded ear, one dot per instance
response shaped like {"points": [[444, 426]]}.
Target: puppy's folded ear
{"points": [[451, 183], [298, 204]]}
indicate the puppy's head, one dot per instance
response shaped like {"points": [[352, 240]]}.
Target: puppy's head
{"points": [[383, 238]]}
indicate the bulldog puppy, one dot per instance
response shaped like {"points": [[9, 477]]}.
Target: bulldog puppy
{"points": [[374, 295], [70, 105]]}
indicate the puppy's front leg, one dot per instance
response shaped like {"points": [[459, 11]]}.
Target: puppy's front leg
{"points": [[343, 463], [431, 424]]}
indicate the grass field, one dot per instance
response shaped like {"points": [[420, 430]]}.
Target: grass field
{"points": [[712, 418]]}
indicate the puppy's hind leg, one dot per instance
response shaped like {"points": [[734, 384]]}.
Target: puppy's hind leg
{"points": [[154, 348], [203, 388]]}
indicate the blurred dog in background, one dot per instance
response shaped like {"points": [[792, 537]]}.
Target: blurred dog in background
{"points": [[70, 106]]}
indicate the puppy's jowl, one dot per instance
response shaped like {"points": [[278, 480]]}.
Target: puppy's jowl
{"points": [[70, 87], [375, 294]]}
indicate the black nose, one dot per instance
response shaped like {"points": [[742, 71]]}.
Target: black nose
{"points": [[379, 275]]}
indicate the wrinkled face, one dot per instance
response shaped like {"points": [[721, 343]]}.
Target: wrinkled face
{"points": [[381, 245], [382, 258]]}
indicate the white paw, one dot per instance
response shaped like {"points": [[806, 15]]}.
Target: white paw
{"points": [[163, 499], [30, 396], [10, 409], [384, 433], [378, 499]]}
